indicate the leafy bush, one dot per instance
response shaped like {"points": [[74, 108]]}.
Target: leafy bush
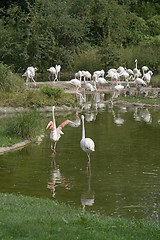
{"points": [[52, 92], [88, 60], [25, 125], [9, 81]]}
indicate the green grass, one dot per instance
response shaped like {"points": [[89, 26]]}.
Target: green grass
{"points": [[32, 218], [7, 141], [45, 96], [22, 126], [139, 99], [155, 81]]}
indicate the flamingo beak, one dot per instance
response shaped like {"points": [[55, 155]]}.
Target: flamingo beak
{"points": [[49, 125]]}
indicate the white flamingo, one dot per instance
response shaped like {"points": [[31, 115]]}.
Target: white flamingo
{"points": [[147, 77], [53, 73], [99, 73], [139, 81], [87, 76], [58, 68], [57, 132], [86, 144], [117, 89], [144, 69], [30, 74]]}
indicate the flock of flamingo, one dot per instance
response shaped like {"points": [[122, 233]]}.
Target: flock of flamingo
{"points": [[98, 79], [90, 84]]}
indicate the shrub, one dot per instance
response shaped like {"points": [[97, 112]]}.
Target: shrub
{"points": [[52, 92], [25, 125], [88, 60], [9, 81]]}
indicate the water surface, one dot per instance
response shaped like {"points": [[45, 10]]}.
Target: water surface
{"points": [[125, 168]]}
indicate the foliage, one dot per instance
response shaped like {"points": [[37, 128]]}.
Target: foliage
{"points": [[86, 60], [45, 33], [46, 96], [8, 80], [52, 92], [25, 125], [47, 219], [146, 53]]}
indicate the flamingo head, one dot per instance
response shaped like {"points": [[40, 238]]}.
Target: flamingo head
{"points": [[82, 117], [50, 125]]}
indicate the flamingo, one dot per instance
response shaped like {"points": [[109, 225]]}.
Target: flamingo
{"points": [[136, 71], [147, 77], [117, 89], [139, 81], [58, 68], [57, 132], [99, 73], [86, 144], [87, 76], [144, 69], [53, 72], [30, 73]]}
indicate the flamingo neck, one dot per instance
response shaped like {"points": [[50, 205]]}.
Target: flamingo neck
{"points": [[52, 126], [83, 129], [54, 121], [136, 63]]}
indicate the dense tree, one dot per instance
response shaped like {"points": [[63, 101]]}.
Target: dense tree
{"points": [[48, 32]]}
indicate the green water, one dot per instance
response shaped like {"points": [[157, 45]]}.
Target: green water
{"points": [[125, 168]]}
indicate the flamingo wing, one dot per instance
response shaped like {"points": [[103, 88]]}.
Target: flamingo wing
{"points": [[72, 124]]}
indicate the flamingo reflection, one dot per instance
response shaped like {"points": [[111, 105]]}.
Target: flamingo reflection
{"points": [[117, 120], [56, 178], [88, 198], [142, 114]]}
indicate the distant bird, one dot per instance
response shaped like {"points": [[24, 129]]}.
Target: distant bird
{"points": [[99, 73], [53, 73], [144, 69], [30, 74], [79, 75], [77, 84], [100, 80], [58, 68], [86, 75], [89, 87], [117, 89], [139, 81], [147, 77], [86, 144], [136, 71], [57, 132]]}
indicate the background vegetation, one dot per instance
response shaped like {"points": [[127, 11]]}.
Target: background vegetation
{"points": [[79, 34]]}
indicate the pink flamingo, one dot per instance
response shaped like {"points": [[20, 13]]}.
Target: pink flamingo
{"points": [[57, 132]]}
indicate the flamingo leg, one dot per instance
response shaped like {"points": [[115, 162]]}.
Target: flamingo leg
{"points": [[89, 164]]}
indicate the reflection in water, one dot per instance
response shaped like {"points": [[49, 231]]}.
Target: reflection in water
{"points": [[146, 116], [117, 120], [88, 198], [125, 165], [56, 178], [142, 114]]}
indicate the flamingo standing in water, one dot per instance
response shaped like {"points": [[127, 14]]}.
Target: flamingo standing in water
{"points": [[57, 132], [86, 144]]}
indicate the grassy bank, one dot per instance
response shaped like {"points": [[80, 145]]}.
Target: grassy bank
{"points": [[45, 96], [139, 99], [22, 126], [30, 218]]}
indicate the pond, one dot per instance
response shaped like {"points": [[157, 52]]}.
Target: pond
{"points": [[125, 168]]}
